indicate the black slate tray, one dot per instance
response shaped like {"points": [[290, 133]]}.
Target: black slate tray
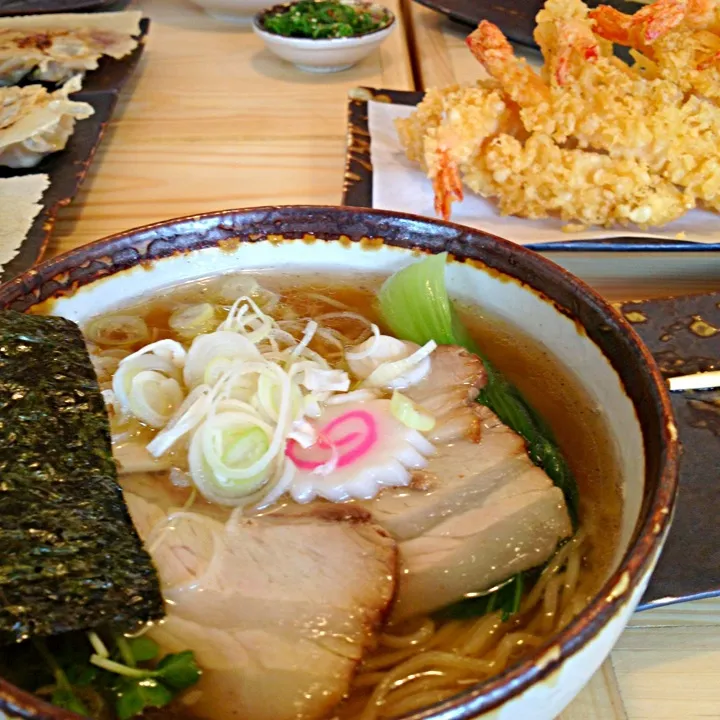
{"points": [[68, 168], [8, 8], [684, 336], [516, 18], [358, 180]]}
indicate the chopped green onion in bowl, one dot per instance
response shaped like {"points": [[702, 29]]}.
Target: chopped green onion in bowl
{"points": [[325, 19]]}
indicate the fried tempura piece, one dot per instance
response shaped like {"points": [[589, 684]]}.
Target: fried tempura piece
{"points": [[538, 179], [601, 104], [590, 139], [453, 123], [475, 134], [666, 44]]}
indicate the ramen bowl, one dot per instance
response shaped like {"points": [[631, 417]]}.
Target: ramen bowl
{"points": [[536, 297]]}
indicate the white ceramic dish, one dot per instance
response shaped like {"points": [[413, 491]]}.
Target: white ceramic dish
{"points": [[532, 293], [323, 56]]}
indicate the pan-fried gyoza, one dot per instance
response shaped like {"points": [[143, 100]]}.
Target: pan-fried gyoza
{"points": [[55, 48], [35, 123]]}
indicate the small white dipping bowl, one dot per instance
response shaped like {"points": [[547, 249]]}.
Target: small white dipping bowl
{"points": [[323, 55]]}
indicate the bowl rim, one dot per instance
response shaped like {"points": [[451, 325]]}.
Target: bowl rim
{"points": [[259, 26], [411, 233]]}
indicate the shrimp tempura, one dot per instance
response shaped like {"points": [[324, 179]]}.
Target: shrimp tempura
{"points": [[590, 139], [669, 42]]}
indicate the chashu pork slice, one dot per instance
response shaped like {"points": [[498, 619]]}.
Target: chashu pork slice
{"points": [[480, 511], [278, 609], [448, 393]]}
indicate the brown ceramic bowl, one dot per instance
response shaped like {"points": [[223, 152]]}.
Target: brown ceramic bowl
{"points": [[535, 295]]}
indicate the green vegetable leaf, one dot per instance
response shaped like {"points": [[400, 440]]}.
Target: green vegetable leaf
{"points": [[81, 675], [179, 671], [134, 696], [64, 697], [415, 305], [143, 649]]}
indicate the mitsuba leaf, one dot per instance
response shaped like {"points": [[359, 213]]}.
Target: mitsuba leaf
{"points": [[179, 671], [134, 696], [65, 698], [143, 649]]}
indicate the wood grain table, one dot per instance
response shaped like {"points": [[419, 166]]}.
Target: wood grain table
{"points": [[212, 121]]}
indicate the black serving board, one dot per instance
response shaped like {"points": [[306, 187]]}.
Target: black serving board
{"points": [[358, 181], [67, 169], [684, 336], [516, 18], [9, 8]]}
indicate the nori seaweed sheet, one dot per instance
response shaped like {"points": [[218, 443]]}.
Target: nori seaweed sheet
{"points": [[70, 557]]}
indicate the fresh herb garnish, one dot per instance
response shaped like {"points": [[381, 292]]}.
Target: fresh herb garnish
{"points": [[80, 673], [324, 19]]}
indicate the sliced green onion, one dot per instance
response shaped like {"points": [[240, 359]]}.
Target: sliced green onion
{"points": [[220, 345], [409, 414], [154, 398], [187, 322], [117, 330], [402, 373], [242, 448]]}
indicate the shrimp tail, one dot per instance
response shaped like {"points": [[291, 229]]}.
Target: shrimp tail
{"points": [[490, 48], [641, 29], [447, 184], [495, 53]]}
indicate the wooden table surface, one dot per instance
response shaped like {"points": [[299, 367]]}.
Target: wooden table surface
{"points": [[212, 121]]}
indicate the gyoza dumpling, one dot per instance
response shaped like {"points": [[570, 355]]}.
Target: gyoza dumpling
{"points": [[57, 47], [35, 123]]}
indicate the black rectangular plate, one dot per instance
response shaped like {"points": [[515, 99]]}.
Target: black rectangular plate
{"points": [[67, 169], [357, 186], [516, 18], [684, 336], [10, 8]]}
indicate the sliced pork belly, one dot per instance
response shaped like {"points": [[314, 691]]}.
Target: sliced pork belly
{"points": [[447, 392], [279, 609], [480, 511]]}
